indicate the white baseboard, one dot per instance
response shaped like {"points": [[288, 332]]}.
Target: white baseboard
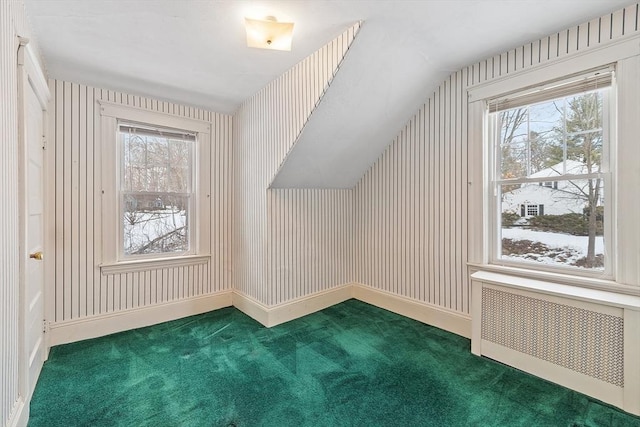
{"points": [[272, 316], [92, 327], [431, 315], [425, 313], [310, 304], [19, 416], [251, 307]]}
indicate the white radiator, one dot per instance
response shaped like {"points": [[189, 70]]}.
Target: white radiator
{"points": [[586, 340]]}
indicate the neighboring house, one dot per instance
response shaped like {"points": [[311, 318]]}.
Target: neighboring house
{"points": [[553, 197]]}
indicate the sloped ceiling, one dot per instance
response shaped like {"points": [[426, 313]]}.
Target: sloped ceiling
{"points": [[194, 52]]}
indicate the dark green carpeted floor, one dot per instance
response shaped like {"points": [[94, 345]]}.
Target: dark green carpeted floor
{"points": [[349, 365]]}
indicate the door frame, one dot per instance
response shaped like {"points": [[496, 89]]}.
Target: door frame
{"points": [[30, 77]]}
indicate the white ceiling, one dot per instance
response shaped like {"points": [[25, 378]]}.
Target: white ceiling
{"points": [[194, 52]]}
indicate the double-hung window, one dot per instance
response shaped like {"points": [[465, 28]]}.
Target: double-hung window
{"points": [[551, 190], [156, 191]]}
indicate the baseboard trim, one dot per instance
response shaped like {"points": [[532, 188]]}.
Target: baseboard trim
{"points": [[310, 304], [19, 415], [431, 315], [251, 307], [93, 327], [97, 326], [272, 316]]}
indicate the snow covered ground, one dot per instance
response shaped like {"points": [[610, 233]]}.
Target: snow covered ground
{"points": [[143, 228], [550, 248]]}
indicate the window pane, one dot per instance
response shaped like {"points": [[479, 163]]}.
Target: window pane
{"points": [[513, 142], [584, 112], [153, 163], [584, 130], [156, 182], [155, 223], [180, 166], [586, 148], [546, 135], [513, 160], [557, 225]]}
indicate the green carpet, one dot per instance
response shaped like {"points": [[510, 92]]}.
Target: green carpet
{"points": [[349, 365]]}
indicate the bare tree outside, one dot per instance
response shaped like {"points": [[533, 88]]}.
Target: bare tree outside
{"points": [[584, 144], [155, 190], [513, 143], [540, 144]]}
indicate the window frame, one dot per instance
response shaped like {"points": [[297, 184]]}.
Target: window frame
{"points": [[111, 115], [192, 219], [493, 181]]}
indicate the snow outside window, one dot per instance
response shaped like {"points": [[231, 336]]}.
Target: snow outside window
{"points": [[552, 152], [156, 194]]}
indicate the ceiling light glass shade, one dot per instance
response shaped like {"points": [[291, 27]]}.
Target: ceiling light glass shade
{"points": [[269, 33]]}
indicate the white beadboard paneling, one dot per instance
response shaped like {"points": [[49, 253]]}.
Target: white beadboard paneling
{"points": [[415, 243], [310, 241], [13, 23], [408, 206], [9, 262], [75, 156], [270, 226]]}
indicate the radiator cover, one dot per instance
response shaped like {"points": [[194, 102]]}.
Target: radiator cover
{"points": [[587, 340], [584, 341]]}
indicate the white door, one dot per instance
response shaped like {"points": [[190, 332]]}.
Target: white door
{"points": [[33, 95], [34, 272]]}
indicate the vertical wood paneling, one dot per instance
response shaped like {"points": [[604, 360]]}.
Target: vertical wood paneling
{"points": [[422, 253], [310, 240], [284, 238], [9, 263], [13, 22], [80, 290]]}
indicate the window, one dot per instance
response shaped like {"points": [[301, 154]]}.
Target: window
{"points": [[156, 189], [531, 210], [550, 175], [155, 184], [550, 184]]}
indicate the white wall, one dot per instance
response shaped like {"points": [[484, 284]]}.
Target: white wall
{"points": [[12, 23], [287, 243], [411, 206], [80, 290], [8, 213], [416, 209]]}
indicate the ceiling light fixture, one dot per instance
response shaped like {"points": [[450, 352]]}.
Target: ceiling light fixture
{"points": [[268, 33]]}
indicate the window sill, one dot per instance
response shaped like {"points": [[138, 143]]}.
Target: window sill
{"points": [[151, 264], [556, 289], [578, 284]]}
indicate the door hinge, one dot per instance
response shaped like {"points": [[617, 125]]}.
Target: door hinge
{"points": [[45, 326], [44, 143]]}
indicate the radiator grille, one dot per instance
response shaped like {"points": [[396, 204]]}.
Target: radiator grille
{"points": [[581, 340]]}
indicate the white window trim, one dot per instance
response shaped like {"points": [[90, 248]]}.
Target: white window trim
{"points": [[603, 55], [200, 244], [625, 54], [153, 263]]}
